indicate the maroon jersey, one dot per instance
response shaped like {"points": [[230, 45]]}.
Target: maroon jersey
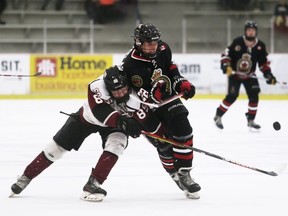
{"points": [[101, 109]]}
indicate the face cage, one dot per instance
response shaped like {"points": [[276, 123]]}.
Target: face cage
{"points": [[251, 38], [124, 98], [147, 55]]}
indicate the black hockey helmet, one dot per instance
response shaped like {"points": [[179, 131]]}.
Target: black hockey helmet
{"points": [[250, 24], [146, 32], [114, 79]]}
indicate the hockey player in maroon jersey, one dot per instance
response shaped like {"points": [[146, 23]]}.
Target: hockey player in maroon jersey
{"points": [[239, 62], [153, 75], [108, 110]]}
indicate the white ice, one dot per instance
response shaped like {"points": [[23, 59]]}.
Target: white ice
{"points": [[138, 185]]}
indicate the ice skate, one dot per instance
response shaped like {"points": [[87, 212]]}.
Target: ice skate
{"points": [[20, 185], [218, 122], [190, 187], [92, 191], [251, 124], [175, 178]]}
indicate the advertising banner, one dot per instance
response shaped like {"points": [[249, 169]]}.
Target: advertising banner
{"points": [[203, 70], [12, 65], [66, 74]]}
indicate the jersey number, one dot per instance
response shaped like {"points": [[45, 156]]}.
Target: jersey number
{"points": [[97, 99]]}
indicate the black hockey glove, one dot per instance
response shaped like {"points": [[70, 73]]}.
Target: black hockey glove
{"points": [[181, 85], [270, 79], [129, 126], [159, 91]]}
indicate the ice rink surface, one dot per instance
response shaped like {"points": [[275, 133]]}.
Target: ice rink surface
{"points": [[138, 185]]}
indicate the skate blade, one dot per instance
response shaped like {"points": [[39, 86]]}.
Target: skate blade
{"points": [[219, 128], [254, 130], [86, 196], [11, 195], [194, 195]]}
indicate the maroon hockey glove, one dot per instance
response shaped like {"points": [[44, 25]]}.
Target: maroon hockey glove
{"points": [[129, 126], [183, 85], [158, 92]]}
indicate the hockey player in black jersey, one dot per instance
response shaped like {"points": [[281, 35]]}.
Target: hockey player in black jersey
{"points": [[153, 75], [239, 62]]}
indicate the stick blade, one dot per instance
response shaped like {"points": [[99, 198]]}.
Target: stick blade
{"points": [[37, 74], [272, 173]]}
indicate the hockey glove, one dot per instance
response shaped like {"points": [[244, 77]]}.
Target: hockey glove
{"points": [[181, 85], [229, 71], [159, 91], [226, 68], [129, 126], [270, 79]]}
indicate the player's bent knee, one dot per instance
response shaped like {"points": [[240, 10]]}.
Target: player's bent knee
{"points": [[116, 143], [254, 92], [53, 151]]}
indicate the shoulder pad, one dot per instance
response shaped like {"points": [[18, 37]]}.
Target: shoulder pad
{"points": [[99, 89]]}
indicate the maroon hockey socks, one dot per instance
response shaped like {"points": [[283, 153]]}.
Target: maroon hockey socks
{"points": [[39, 164], [104, 165]]}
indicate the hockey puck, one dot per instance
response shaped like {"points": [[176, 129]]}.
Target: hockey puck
{"points": [[276, 126]]}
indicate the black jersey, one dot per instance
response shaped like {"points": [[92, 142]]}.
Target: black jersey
{"points": [[141, 71], [243, 59]]}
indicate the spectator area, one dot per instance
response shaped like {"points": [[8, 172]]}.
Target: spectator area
{"points": [[201, 24]]}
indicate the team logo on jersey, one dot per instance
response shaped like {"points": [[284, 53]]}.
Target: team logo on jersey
{"points": [[238, 48], [162, 80], [244, 64], [162, 47], [137, 80], [156, 74]]}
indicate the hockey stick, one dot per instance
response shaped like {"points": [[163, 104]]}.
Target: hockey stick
{"points": [[157, 105], [21, 75], [282, 83], [253, 76], [172, 142]]}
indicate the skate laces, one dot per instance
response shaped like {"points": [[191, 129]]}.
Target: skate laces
{"points": [[174, 176], [218, 120], [23, 181], [93, 186], [251, 123], [185, 177]]}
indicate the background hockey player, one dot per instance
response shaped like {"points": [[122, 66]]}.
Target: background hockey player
{"points": [[239, 62], [154, 77]]}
